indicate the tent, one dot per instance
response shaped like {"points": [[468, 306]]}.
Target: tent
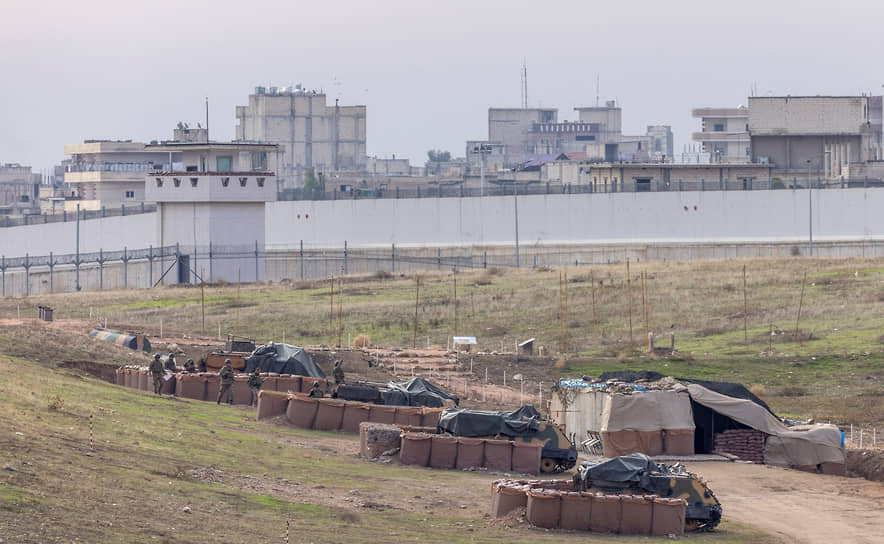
{"points": [[283, 359], [124, 339], [639, 422], [417, 392]]}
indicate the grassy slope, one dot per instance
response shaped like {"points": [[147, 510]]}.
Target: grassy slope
{"points": [[133, 487]]}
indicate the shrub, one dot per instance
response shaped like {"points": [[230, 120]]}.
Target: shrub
{"points": [[758, 390], [362, 341], [56, 403], [794, 391]]}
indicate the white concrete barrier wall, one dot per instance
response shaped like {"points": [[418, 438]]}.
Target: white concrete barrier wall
{"points": [[108, 233]]}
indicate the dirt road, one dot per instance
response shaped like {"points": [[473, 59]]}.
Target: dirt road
{"points": [[797, 506]]}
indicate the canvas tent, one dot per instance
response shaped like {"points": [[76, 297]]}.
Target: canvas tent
{"points": [[639, 422], [283, 359]]}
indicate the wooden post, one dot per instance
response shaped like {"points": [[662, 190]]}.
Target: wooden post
{"points": [[645, 308], [800, 304], [561, 316], [331, 310], [770, 340], [745, 312], [454, 270], [473, 312], [567, 343], [629, 296], [417, 297], [203, 299], [595, 324]]}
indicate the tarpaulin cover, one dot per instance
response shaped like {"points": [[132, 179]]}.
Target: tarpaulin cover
{"points": [[417, 392], [730, 389], [631, 376], [464, 422], [648, 411], [283, 359], [626, 468]]}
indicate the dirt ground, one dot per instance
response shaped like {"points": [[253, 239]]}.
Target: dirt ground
{"points": [[797, 506]]}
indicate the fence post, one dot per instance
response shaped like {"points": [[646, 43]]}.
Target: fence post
{"points": [[27, 276], [335, 193], [178, 259], [438, 258], [64, 216], [125, 267], [418, 191], [142, 206], [397, 192], [393, 257], [51, 266], [842, 182], [721, 185], [3, 271], [100, 268], [150, 264], [346, 265], [794, 183], [256, 260], [302, 259], [769, 183], [680, 186], [485, 259], [461, 190], [702, 184], [211, 275], [866, 182], [123, 210], [547, 187], [103, 211]]}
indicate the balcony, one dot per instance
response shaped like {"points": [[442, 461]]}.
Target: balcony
{"points": [[721, 112], [720, 137], [210, 187]]}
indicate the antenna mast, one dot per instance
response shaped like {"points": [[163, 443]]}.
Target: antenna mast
{"points": [[524, 84]]}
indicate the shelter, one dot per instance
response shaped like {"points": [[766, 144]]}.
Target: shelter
{"points": [[131, 340], [283, 359]]}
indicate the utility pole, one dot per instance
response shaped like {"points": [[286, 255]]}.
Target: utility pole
{"points": [[77, 281], [516, 212], [809, 209]]}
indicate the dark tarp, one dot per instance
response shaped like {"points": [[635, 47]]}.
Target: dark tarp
{"points": [[626, 468], [464, 422], [729, 389], [417, 392], [283, 359], [631, 376]]}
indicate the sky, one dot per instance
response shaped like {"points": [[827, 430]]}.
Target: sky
{"points": [[427, 71]]}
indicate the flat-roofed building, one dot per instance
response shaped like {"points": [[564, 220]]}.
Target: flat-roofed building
{"points": [[724, 133]]}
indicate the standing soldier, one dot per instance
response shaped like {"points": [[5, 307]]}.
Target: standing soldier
{"points": [[316, 392], [156, 370], [189, 366], [338, 373], [170, 363], [226, 375], [255, 383]]}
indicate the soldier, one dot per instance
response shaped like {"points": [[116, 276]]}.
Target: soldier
{"points": [[226, 375], [156, 370], [170, 363], [338, 373], [203, 365], [189, 366], [316, 392], [255, 383]]}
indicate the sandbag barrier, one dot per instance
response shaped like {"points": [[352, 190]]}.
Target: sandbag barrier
{"points": [[464, 453], [552, 504]]}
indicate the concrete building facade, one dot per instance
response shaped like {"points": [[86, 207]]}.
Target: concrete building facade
{"points": [[19, 190], [819, 136], [724, 133], [310, 133]]}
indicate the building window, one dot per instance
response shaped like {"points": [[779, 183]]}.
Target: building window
{"points": [[260, 182], [222, 164], [242, 182], [176, 182], [225, 182], [718, 127], [194, 181], [191, 169], [586, 138], [159, 182], [130, 195]]}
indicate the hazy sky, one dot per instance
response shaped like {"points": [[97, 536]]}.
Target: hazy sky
{"points": [[427, 71]]}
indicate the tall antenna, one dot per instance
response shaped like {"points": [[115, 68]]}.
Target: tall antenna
{"points": [[596, 90], [207, 120], [524, 84]]}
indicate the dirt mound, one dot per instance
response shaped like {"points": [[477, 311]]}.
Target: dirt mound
{"points": [[868, 464]]}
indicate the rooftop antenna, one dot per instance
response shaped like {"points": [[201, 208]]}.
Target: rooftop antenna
{"points": [[207, 119], [524, 84], [597, 90]]}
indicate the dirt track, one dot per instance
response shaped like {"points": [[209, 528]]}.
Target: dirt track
{"points": [[797, 506]]}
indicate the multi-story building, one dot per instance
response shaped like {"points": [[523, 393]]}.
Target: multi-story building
{"points": [[661, 141], [19, 190], [310, 133], [107, 173], [724, 133], [815, 135]]}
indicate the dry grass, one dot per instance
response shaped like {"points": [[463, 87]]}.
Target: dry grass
{"points": [[362, 341], [758, 390]]}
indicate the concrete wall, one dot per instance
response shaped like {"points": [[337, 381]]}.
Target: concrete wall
{"points": [[108, 233], [807, 115]]}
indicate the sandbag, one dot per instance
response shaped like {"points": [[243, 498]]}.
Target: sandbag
{"points": [[470, 452], [270, 381], [291, 384], [526, 457], [408, 416], [668, 517], [544, 508], [383, 414], [271, 404], [191, 386], [651, 442], [605, 514], [329, 415], [145, 380], [354, 414], [499, 455], [415, 449], [678, 442], [377, 438], [443, 453], [168, 384], [636, 514], [118, 376], [213, 386], [506, 496], [576, 508], [430, 417], [301, 411], [240, 387], [832, 468]]}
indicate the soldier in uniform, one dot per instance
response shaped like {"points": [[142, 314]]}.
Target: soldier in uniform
{"points": [[170, 363], [226, 375], [189, 366], [255, 383], [156, 370], [338, 373], [316, 392]]}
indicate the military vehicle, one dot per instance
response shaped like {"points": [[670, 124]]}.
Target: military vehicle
{"points": [[237, 349], [637, 474], [523, 425]]}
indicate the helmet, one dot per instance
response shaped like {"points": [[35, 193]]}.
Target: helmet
{"points": [[315, 384], [156, 355], [189, 361], [226, 361]]}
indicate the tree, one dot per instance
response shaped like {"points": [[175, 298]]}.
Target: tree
{"points": [[314, 187], [437, 155]]}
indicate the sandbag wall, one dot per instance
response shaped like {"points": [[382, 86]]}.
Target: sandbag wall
{"points": [[745, 444], [551, 504], [440, 451]]}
